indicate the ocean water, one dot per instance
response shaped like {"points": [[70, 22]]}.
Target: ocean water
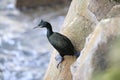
{"points": [[24, 51]]}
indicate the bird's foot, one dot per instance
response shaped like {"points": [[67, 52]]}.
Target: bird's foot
{"points": [[59, 60], [77, 54]]}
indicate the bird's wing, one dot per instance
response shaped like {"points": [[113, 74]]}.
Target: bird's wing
{"points": [[60, 41]]}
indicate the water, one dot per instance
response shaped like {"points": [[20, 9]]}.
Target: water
{"points": [[24, 51]]}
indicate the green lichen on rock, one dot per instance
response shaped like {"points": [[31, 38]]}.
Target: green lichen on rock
{"points": [[113, 73]]}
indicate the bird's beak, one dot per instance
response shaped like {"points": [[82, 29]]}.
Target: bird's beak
{"points": [[35, 27]]}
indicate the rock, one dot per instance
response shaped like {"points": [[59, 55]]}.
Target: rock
{"points": [[113, 72], [114, 12], [21, 4], [78, 23], [100, 7], [77, 26], [94, 57]]}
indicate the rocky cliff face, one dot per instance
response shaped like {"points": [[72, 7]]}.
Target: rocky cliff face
{"points": [[93, 26], [95, 56]]}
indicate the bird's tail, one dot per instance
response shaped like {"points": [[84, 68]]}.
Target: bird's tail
{"points": [[77, 53]]}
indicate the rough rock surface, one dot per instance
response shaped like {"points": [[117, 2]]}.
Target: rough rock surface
{"points": [[95, 55], [101, 7]]}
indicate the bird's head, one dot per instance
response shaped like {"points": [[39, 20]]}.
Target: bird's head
{"points": [[43, 24]]}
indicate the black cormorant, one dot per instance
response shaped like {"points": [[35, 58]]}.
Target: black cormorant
{"points": [[60, 42]]}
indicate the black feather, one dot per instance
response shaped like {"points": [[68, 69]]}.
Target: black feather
{"points": [[60, 42]]}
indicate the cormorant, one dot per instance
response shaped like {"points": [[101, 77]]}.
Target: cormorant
{"points": [[60, 42]]}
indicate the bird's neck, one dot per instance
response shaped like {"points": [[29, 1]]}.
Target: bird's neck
{"points": [[49, 31]]}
